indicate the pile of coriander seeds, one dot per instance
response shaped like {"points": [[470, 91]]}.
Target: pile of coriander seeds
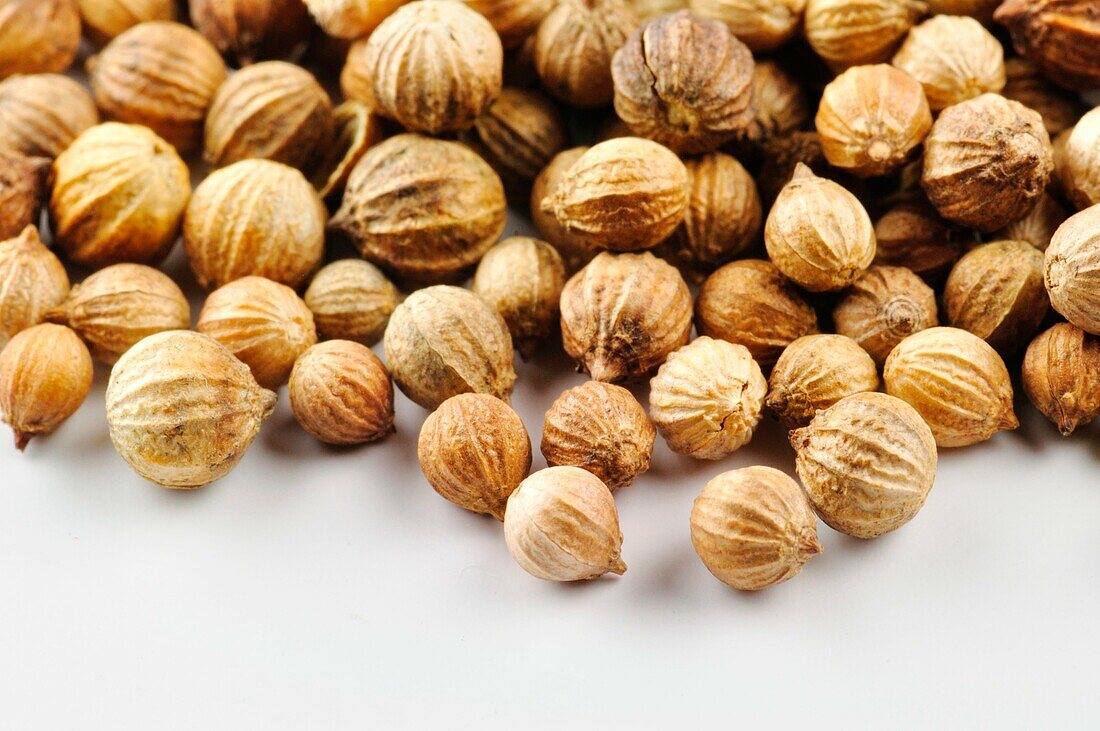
{"points": [[872, 215]]}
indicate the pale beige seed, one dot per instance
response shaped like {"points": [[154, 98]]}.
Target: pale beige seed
{"points": [[996, 292], [351, 18], [624, 194], [435, 65], [182, 409], [753, 528], [1072, 269], [32, 282], [1080, 172], [162, 75], [41, 114], [601, 428], [272, 110], [423, 209], [750, 303], [119, 194], [815, 372], [474, 451], [574, 250], [1038, 226], [953, 58], [867, 464], [104, 20], [522, 279], [120, 305], [264, 323], [561, 524], [849, 33], [254, 217], [351, 299], [1061, 376], [763, 25], [341, 393], [623, 314], [707, 398], [885, 306], [45, 375], [443, 341], [872, 119], [818, 234], [38, 36], [956, 381]]}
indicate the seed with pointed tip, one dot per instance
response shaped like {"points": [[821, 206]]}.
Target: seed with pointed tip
{"points": [[1061, 376], [814, 373]]}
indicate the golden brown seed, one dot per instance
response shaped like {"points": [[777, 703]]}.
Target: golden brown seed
{"points": [[1072, 270], [32, 281], [574, 47], [867, 464], [514, 20], [119, 193], [956, 381], [778, 104], [1024, 83], [38, 36], [1080, 170], [254, 217], [273, 110], [601, 428], [750, 303], [1062, 37], [980, 9], [1061, 376], [350, 18], [341, 393], [120, 305], [518, 135], [246, 31], [474, 452], [624, 194], [1039, 225], [356, 77], [522, 278], [351, 299], [435, 66], [426, 210], [818, 234], [443, 341], [753, 528], [872, 119], [814, 373], [161, 75], [723, 216], [996, 292], [264, 323], [782, 154], [707, 398], [853, 32], [23, 190], [763, 25], [574, 250], [45, 375], [623, 314], [650, 9], [986, 162], [41, 114], [104, 20], [561, 524], [685, 82], [883, 307], [182, 410], [954, 59], [357, 130], [912, 235]]}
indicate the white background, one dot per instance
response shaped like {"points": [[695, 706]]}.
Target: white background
{"points": [[332, 588]]}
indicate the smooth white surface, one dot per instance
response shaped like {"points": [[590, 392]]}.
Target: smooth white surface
{"points": [[332, 588]]}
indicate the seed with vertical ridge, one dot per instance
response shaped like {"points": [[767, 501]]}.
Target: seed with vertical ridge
{"points": [[41, 114], [38, 36], [953, 58], [814, 373], [1072, 269], [34, 281], [885, 306], [351, 299], [1061, 376], [341, 393]]}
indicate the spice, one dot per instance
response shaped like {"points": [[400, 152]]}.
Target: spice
{"points": [[1038, 226], [601, 428], [182, 409], [104, 20], [341, 393], [23, 189], [574, 250], [351, 18], [34, 281], [246, 31], [914, 236], [778, 104], [1061, 376], [707, 398], [854, 32], [357, 130], [41, 114], [1072, 270], [813, 373], [753, 528], [763, 25], [867, 464], [38, 36], [883, 307], [1080, 168], [1024, 83], [561, 524], [953, 58], [1062, 37], [514, 20], [45, 375], [352, 300]]}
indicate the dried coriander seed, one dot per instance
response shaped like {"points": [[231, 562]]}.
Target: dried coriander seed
{"points": [[953, 58], [341, 393], [41, 114], [34, 283], [1061, 376], [813, 373], [1072, 269], [351, 299], [883, 307]]}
